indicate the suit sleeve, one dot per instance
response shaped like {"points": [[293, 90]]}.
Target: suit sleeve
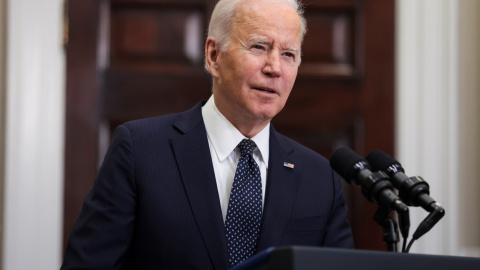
{"points": [[101, 236], [339, 233]]}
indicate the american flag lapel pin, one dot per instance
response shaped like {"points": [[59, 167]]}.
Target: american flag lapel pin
{"points": [[288, 165]]}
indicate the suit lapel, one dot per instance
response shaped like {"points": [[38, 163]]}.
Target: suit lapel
{"points": [[282, 183], [193, 157]]}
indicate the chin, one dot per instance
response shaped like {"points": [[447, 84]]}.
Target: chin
{"points": [[265, 111], [266, 115]]}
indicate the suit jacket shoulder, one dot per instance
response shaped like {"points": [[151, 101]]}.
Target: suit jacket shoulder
{"points": [[169, 125]]}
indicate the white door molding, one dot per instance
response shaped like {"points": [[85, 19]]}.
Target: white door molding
{"points": [[437, 115], [34, 135]]}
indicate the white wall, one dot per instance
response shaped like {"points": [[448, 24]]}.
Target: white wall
{"points": [[34, 135], [437, 115], [3, 38], [469, 124]]}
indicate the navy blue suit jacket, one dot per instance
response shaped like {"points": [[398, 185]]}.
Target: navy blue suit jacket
{"points": [[155, 204]]}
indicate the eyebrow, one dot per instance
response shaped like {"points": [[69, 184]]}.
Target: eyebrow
{"points": [[260, 40], [290, 49]]}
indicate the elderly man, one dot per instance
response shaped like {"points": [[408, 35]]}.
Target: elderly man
{"points": [[210, 187]]}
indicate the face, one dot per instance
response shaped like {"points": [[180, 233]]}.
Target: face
{"points": [[254, 76]]}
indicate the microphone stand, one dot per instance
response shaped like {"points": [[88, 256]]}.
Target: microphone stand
{"points": [[390, 232], [375, 188]]}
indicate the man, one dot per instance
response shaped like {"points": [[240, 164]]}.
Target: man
{"points": [[167, 195]]}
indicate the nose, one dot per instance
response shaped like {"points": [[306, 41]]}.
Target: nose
{"points": [[272, 66]]}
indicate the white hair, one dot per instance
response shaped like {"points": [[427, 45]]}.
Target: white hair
{"points": [[221, 22]]}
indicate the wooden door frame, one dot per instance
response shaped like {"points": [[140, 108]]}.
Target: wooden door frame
{"points": [[82, 117]]}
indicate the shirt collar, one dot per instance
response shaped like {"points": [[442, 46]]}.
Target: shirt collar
{"points": [[225, 137]]}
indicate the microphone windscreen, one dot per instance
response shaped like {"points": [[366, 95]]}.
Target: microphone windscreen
{"points": [[343, 161], [380, 161]]}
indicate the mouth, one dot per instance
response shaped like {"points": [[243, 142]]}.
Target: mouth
{"points": [[267, 90]]}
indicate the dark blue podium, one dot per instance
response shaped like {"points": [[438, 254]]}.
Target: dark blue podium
{"points": [[310, 258]]}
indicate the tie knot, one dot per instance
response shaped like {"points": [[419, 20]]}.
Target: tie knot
{"points": [[246, 147]]}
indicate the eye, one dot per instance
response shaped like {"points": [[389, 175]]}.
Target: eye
{"points": [[258, 47], [289, 54]]}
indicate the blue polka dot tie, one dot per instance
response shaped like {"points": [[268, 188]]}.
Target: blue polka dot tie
{"points": [[244, 212]]}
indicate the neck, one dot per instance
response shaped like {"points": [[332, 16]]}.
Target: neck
{"points": [[250, 131], [248, 126]]}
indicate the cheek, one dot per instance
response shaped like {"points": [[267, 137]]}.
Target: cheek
{"points": [[252, 62], [290, 75]]}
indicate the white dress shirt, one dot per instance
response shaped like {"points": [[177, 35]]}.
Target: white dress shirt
{"points": [[223, 139]]}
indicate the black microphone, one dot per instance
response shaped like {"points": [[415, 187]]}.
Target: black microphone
{"points": [[375, 185], [413, 190]]}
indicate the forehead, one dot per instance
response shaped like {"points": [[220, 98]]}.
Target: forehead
{"points": [[272, 19]]}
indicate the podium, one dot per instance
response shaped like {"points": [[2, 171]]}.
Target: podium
{"points": [[311, 258]]}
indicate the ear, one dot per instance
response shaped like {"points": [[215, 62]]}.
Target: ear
{"points": [[212, 50]]}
